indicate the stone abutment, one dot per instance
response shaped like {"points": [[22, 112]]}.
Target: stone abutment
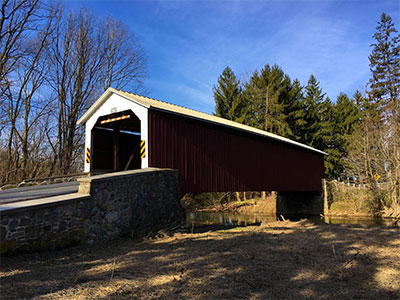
{"points": [[108, 206]]}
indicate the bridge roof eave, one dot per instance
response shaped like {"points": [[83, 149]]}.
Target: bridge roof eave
{"points": [[99, 102], [150, 103]]}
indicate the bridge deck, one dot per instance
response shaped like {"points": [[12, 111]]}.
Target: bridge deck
{"points": [[37, 192]]}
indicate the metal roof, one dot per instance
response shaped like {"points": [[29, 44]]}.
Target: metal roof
{"points": [[172, 108]]}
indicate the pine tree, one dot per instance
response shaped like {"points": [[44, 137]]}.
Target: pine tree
{"points": [[361, 101], [324, 137], [374, 147], [384, 90], [385, 66], [294, 109], [312, 105], [266, 94], [317, 127], [229, 103], [347, 114]]}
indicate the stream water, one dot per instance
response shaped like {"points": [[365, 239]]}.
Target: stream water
{"points": [[203, 218]]}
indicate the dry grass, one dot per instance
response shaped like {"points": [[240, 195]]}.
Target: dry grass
{"points": [[250, 206], [282, 260]]}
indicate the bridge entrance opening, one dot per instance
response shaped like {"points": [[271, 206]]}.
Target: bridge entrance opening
{"points": [[116, 142]]}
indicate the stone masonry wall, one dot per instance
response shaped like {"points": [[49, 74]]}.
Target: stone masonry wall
{"points": [[41, 227], [309, 203], [130, 203], [107, 206]]}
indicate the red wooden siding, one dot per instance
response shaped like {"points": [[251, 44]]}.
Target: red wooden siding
{"points": [[213, 158]]}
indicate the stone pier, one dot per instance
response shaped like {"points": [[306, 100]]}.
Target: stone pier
{"points": [[300, 202]]}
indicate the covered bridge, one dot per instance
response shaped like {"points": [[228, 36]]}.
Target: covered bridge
{"points": [[127, 131]]}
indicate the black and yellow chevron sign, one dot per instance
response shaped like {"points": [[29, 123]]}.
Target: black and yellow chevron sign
{"points": [[88, 155], [142, 149]]}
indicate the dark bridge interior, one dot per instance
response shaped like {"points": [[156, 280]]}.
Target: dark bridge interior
{"points": [[116, 142]]}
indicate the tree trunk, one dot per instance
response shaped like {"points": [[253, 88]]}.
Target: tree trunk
{"points": [[237, 196], [263, 195]]}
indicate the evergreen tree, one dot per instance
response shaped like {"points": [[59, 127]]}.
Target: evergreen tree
{"points": [[266, 94], [294, 109], [374, 147], [312, 105], [228, 98], [384, 90], [385, 66], [361, 101], [347, 114], [324, 137], [317, 127]]}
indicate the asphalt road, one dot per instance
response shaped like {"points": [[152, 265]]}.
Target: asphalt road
{"points": [[39, 191]]}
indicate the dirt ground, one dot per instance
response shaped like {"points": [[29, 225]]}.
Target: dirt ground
{"points": [[281, 260]]}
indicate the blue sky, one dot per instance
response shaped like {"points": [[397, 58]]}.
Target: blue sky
{"points": [[188, 42]]}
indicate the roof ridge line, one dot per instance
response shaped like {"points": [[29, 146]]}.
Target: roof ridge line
{"points": [[165, 102]]}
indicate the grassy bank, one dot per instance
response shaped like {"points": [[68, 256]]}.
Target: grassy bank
{"points": [[281, 260], [350, 200]]}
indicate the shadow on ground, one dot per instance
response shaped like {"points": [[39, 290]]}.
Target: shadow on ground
{"points": [[281, 260]]}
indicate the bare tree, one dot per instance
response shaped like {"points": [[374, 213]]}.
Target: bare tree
{"points": [[18, 19], [25, 28], [75, 57], [125, 62], [374, 148], [366, 162], [87, 56]]}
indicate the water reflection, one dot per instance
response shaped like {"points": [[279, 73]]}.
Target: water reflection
{"points": [[197, 219]]}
